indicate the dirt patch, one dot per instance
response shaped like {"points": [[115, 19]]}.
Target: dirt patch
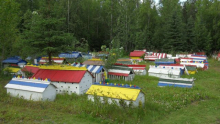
{"points": [[218, 121], [195, 103]]}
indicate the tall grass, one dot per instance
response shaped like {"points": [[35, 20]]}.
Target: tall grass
{"points": [[160, 101]]}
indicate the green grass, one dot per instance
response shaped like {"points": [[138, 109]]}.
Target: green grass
{"points": [[164, 105]]}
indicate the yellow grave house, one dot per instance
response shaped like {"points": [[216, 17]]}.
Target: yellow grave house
{"points": [[119, 94]]}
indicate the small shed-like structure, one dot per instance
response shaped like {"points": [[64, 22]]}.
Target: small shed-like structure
{"points": [[164, 61], [153, 56], [96, 70], [218, 57], [136, 54], [73, 55], [138, 69], [175, 66], [31, 89], [124, 61], [13, 70], [121, 95], [67, 79], [121, 72], [14, 61], [93, 62], [191, 69], [86, 56], [57, 60], [176, 82], [159, 71], [190, 61]]}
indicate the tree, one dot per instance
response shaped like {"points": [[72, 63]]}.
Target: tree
{"points": [[46, 34], [9, 19]]}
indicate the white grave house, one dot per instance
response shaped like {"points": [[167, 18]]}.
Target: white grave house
{"points": [[31, 89], [159, 71], [121, 72], [121, 95], [67, 79]]}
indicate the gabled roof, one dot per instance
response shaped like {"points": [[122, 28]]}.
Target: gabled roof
{"points": [[91, 68], [68, 76], [120, 71], [28, 84], [32, 69], [134, 67], [137, 53], [14, 60], [57, 60], [114, 92], [71, 55]]}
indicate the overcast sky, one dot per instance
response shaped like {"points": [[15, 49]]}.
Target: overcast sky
{"points": [[158, 1]]}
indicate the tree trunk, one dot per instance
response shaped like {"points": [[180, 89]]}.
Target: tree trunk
{"points": [[50, 58]]}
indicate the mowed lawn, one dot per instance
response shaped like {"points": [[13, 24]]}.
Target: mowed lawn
{"points": [[164, 105]]}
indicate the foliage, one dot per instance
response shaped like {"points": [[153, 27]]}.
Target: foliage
{"points": [[46, 33], [9, 19]]}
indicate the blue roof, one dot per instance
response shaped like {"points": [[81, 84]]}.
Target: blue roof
{"points": [[175, 85], [70, 55], [28, 84], [14, 60], [91, 68]]}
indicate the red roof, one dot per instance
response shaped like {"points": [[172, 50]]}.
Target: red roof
{"points": [[69, 76], [30, 69], [137, 53]]}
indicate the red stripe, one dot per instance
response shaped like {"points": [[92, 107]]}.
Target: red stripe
{"points": [[118, 74]]}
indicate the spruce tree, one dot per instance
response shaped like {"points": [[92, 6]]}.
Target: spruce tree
{"points": [[47, 35]]}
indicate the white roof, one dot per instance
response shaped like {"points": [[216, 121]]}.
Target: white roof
{"points": [[28, 84]]}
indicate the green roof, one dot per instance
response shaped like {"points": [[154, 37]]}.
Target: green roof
{"points": [[190, 68], [121, 68]]}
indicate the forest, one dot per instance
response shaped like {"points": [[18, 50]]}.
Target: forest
{"points": [[49, 27]]}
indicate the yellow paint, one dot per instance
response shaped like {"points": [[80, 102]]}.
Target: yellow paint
{"points": [[11, 69], [34, 78], [105, 74], [52, 57], [114, 92], [61, 67], [94, 60], [135, 57], [191, 72]]}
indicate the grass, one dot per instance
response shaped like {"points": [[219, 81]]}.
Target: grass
{"points": [[168, 105]]}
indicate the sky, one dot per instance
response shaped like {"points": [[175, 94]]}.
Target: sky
{"points": [[158, 1]]}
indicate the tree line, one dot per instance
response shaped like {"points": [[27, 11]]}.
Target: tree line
{"points": [[48, 27]]}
